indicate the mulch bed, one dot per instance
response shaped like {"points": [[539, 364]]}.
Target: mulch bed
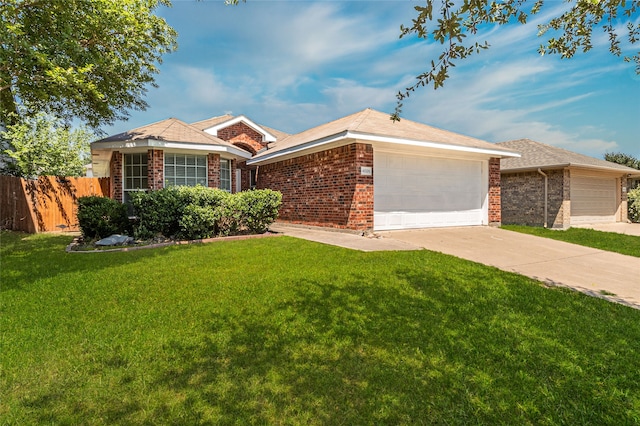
{"points": [[79, 246]]}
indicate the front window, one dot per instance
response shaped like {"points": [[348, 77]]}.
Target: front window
{"points": [[225, 175], [135, 174], [185, 169]]}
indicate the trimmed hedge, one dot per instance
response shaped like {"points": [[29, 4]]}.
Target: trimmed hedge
{"points": [[200, 212], [181, 212], [100, 217]]}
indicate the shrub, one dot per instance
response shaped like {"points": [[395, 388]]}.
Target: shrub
{"points": [[200, 212], [634, 205], [259, 209], [99, 217], [198, 222], [158, 212]]}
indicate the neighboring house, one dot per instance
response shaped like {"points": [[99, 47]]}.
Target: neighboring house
{"points": [[579, 189], [360, 172]]}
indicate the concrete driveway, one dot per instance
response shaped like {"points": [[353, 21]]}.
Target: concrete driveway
{"points": [[603, 274]]}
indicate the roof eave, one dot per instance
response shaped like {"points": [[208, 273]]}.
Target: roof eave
{"points": [[348, 134], [153, 143], [565, 165]]}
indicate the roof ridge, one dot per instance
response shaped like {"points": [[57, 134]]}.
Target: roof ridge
{"points": [[360, 118]]}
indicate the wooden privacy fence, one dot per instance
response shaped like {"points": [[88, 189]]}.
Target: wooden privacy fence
{"points": [[45, 204]]}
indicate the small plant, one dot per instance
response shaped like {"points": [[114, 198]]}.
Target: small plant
{"points": [[99, 217]]}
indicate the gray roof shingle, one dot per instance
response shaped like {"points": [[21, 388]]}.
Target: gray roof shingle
{"points": [[378, 123], [539, 155], [170, 130]]}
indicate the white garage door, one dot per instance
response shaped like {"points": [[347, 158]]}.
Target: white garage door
{"points": [[593, 199], [418, 192]]}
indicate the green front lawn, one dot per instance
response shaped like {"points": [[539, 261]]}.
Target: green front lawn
{"points": [[608, 241], [285, 331]]}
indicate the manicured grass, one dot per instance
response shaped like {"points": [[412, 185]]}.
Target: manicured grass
{"points": [[608, 241], [284, 331]]}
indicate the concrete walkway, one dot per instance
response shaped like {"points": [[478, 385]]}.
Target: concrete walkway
{"points": [[619, 228], [612, 276]]}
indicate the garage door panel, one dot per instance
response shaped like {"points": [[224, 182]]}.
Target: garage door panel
{"points": [[593, 199], [418, 191]]}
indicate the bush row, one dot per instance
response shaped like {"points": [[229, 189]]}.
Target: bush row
{"points": [[181, 212]]}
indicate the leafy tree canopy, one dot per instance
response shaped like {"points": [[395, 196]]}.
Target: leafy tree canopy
{"points": [[624, 159], [449, 23], [85, 59], [42, 145]]}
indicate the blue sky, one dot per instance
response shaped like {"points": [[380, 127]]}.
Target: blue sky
{"points": [[291, 65]]}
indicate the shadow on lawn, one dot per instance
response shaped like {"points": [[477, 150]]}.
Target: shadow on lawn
{"points": [[431, 352], [28, 258]]}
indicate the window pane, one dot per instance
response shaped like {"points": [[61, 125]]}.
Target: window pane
{"points": [[202, 160], [180, 160], [191, 160]]}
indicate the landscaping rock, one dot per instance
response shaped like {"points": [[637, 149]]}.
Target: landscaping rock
{"points": [[115, 240]]}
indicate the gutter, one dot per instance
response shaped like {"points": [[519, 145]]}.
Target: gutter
{"points": [[546, 186]]}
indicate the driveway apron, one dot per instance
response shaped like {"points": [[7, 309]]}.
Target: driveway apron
{"points": [[599, 273]]}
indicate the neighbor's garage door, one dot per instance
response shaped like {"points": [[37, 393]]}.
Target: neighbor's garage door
{"points": [[593, 199], [418, 192]]}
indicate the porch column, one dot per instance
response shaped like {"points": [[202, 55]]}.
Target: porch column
{"points": [[495, 202]]}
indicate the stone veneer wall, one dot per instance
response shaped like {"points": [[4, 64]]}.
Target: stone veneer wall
{"points": [[324, 188], [523, 198]]}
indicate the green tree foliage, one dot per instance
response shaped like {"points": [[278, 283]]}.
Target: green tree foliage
{"points": [[86, 59], [42, 145], [624, 159], [570, 32]]}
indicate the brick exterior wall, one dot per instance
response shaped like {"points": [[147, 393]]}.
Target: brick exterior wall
{"points": [[242, 135], [495, 204], [115, 174], [213, 170], [523, 198], [155, 169], [324, 188]]}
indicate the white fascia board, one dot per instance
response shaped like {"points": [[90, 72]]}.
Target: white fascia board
{"points": [[302, 147], [435, 145], [266, 136], [152, 143], [386, 139]]}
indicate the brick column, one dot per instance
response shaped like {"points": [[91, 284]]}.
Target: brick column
{"points": [[213, 170], [361, 209], [495, 205], [155, 169], [115, 175]]}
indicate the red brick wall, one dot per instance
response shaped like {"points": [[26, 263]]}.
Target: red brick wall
{"points": [[213, 170], [241, 134], [155, 168], [325, 188], [115, 173], [495, 208]]}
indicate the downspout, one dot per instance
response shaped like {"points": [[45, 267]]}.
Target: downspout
{"points": [[546, 185]]}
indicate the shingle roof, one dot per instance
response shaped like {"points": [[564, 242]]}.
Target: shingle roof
{"points": [[214, 121], [536, 154], [376, 123], [170, 130]]}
